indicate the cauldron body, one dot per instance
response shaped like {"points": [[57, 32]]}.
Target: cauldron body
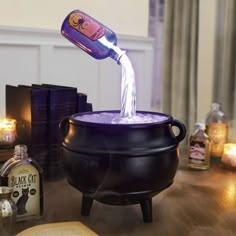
{"points": [[121, 164]]}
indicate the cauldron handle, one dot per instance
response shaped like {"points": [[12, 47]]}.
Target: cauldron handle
{"points": [[64, 126], [182, 129]]}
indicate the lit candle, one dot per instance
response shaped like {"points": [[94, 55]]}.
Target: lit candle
{"points": [[7, 132], [229, 155]]}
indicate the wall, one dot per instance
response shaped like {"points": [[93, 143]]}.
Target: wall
{"points": [[32, 13], [33, 51], [43, 56], [124, 17]]}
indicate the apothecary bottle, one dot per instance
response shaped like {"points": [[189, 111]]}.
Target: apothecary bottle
{"points": [[24, 175], [199, 148], [7, 212], [91, 36], [217, 130]]}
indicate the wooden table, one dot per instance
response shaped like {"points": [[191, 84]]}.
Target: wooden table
{"points": [[198, 203]]}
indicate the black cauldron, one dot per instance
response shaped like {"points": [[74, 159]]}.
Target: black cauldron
{"points": [[121, 164]]}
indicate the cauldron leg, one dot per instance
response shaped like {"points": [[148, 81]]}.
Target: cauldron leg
{"points": [[146, 206], [87, 203]]}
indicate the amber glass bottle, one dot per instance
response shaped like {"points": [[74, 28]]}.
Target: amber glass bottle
{"points": [[24, 175], [217, 130]]}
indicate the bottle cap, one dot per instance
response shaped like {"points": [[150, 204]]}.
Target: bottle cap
{"points": [[20, 151], [199, 126], [215, 106]]}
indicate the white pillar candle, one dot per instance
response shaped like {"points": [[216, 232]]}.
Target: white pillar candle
{"points": [[229, 154]]}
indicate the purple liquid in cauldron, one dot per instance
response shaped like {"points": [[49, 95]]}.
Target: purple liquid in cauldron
{"points": [[115, 118]]}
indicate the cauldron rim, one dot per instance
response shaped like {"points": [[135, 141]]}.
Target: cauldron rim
{"points": [[73, 120]]}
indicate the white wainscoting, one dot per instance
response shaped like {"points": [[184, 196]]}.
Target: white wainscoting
{"points": [[43, 56]]}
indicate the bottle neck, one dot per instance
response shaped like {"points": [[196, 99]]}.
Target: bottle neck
{"points": [[20, 156], [196, 131], [115, 52]]}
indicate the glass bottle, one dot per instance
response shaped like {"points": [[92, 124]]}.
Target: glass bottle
{"points": [[24, 175], [7, 212], [91, 36], [199, 148], [217, 130]]}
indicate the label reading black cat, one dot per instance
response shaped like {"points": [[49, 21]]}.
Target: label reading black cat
{"points": [[24, 179]]}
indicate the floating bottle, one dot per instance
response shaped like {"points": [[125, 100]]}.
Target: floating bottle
{"points": [[199, 148], [217, 130], [91, 36], [24, 175]]}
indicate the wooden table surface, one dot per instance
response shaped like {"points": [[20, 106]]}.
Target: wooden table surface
{"points": [[198, 203]]}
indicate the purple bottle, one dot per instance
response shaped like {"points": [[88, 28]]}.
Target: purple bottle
{"points": [[91, 36]]}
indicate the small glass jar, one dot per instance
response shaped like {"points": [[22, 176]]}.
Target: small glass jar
{"points": [[7, 212]]}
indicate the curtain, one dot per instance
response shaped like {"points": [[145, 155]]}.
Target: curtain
{"points": [[155, 30], [224, 89], [179, 79]]}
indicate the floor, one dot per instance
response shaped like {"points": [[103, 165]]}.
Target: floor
{"points": [[198, 203]]}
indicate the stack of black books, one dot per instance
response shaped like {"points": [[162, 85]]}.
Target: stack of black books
{"points": [[38, 110]]}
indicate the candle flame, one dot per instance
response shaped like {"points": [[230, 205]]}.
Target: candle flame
{"points": [[230, 148], [7, 124]]}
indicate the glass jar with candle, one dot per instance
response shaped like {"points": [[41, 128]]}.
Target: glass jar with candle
{"points": [[7, 133], [217, 130]]}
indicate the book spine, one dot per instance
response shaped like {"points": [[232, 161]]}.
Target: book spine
{"points": [[89, 107], [81, 102], [69, 97], [56, 112]]}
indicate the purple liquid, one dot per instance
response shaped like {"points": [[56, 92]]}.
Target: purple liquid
{"points": [[111, 118]]}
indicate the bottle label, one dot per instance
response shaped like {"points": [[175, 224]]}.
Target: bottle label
{"points": [[197, 152], [24, 179], [86, 25], [217, 133]]}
